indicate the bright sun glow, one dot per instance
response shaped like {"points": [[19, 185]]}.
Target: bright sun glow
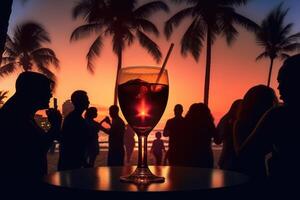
{"points": [[143, 110]]}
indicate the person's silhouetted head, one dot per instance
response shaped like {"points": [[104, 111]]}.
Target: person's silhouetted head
{"points": [[91, 113], [114, 111], [234, 109], [178, 109], [35, 89], [257, 101], [158, 135], [199, 112], [289, 79], [80, 100]]}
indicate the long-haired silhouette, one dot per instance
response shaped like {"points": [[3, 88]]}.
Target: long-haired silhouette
{"points": [[228, 158], [278, 131], [200, 130], [257, 100]]}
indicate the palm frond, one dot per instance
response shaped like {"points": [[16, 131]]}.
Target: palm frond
{"points": [[245, 22], [118, 42], [147, 26], [85, 30], [45, 56], [94, 50], [230, 33], [82, 8], [192, 40], [284, 56], [10, 48], [9, 42], [30, 35], [176, 19], [286, 30], [44, 51], [7, 69], [147, 9], [292, 38], [262, 55], [44, 70], [188, 2], [129, 37], [150, 45], [291, 47], [233, 2], [3, 95], [5, 60], [10, 52], [90, 10], [46, 60], [225, 25]]}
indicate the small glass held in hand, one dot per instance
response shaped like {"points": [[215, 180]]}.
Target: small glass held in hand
{"points": [[143, 95]]}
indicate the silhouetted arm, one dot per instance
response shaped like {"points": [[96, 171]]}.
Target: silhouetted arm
{"points": [[105, 130], [260, 138]]}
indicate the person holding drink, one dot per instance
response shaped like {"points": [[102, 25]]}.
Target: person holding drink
{"points": [[116, 131], [20, 132]]}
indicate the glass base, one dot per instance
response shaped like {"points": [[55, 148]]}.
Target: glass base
{"points": [[142, 176]]}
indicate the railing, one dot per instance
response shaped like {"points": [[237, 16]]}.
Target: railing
{"points": [[104, 145]]}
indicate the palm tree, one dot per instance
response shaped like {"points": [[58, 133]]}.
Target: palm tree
{"points": [[25, 51], [274, 36], [210, 18], [122, 21], [5, 10], [3, 95]]}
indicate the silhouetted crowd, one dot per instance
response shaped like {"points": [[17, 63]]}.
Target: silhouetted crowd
{"points": [[259, 135]]}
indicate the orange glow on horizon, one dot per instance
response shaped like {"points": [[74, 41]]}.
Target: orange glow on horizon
{"points": [[233, 69]]}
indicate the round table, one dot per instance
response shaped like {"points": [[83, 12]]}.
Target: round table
{"points": [[177, 179]]}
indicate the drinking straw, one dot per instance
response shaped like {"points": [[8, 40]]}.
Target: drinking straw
{"points": [[165, 63]]}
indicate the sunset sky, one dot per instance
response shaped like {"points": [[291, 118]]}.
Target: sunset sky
{"points": [[234, 69]]}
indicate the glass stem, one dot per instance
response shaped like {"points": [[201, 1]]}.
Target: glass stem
{"points": [[142, 156]]}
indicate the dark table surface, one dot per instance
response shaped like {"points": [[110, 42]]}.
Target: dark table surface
{"points": [[177, 179]]}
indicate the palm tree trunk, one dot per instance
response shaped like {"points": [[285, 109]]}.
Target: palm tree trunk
{"points": [[270, 72], [207, 69], [118, 70], [5, 10]]}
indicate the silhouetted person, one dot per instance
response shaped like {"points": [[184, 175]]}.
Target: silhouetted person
{"points": [[75, 134], [228, 159], [174, 129], [24, 146], [129, 142], [200, 130], [94, 128], [278, 130], [256, 102], [158, 148], [116, 137]]}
